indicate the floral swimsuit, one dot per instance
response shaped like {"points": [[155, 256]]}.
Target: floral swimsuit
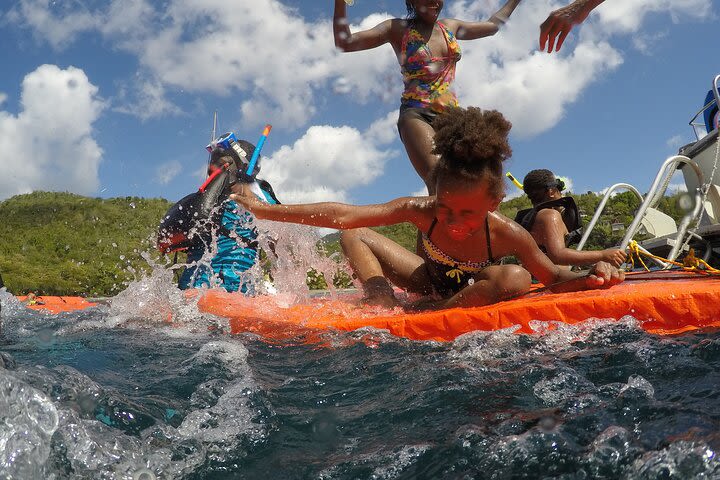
{"points": [[427, 78]]}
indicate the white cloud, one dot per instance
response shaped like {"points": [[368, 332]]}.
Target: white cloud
{"points": [[674, 188], [644, 43], [420, 192], [166, 172], [324, 164], [128, 19], [533, 89], [384, 130], [58, 23], [627, 16], [48, 145], [200, 173], [282, 66], [146, 100], [569, 184]]}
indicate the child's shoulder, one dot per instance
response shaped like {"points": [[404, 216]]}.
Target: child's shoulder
{"points": [[504, 227], [548, 215]]}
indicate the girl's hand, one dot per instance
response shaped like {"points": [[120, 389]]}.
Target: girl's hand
{"points": [[614, 256], [250, 202], [604, 275]]}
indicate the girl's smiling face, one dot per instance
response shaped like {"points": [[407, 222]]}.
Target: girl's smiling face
{"points": [[462, 205], [427, 10]]}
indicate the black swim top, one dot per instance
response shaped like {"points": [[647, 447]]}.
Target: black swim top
{"points": [[449, 275], [570, 216]]}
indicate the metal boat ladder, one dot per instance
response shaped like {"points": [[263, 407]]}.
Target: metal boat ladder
{"points": [[698, 162]]}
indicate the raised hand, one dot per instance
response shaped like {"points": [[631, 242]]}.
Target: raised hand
{"points": [[556, 28]]}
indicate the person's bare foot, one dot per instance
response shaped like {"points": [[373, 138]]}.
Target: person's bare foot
{"points": [[379, 292]]}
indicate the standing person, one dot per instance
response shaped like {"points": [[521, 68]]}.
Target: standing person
{"points": [[554, 223], [221, 227], [427, 49], [557, 26], [463, 236]]}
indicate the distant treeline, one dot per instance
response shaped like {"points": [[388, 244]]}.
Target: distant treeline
{"points": [[65, 244]]}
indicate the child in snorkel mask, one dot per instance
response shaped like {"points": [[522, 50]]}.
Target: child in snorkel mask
{"points": [[235, 237]]}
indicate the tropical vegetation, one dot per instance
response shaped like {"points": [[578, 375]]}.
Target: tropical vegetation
{"points": [[64, 244]]}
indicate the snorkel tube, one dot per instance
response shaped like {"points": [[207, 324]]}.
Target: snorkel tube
{"points": [[189, 221], [561, 182], [514, 180], [256, 153]]}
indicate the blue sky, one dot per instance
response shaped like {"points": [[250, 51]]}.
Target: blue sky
{"points": [[116, 97]]}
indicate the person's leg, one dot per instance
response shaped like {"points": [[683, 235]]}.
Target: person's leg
{"points": [[377, 261], [494, 284], [417, 136]]}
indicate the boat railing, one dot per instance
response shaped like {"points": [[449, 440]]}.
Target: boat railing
{"points": [[655, 194], [699, 126], [601, 207]]}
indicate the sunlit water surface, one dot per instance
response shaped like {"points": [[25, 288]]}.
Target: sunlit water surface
{"points": [[116, 392]]}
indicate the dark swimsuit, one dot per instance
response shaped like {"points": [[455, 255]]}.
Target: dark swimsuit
{"points": [[447, 274], [570, 217]]}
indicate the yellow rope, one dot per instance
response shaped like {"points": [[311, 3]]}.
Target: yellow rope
{"points": [[690, 262]]}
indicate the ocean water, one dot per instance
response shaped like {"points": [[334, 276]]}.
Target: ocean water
{"points": [[114, 392]]}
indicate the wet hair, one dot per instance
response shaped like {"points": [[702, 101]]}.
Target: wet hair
{"points": [[473, 144], [537, 182], [411, 13]]}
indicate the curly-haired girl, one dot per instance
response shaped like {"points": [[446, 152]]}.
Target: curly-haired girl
{"points": [[463, 236]]}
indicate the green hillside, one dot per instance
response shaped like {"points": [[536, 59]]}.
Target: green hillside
{"points": [[65, 244]]}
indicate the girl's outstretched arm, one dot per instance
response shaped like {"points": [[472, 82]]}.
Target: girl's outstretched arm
{"points": [[472, 30], [602, 275], [347, 41], [549, 231], [339, 215]]}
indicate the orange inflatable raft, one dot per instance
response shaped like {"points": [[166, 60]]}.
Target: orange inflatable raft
{"points": [[55, 305], [664, 303]]}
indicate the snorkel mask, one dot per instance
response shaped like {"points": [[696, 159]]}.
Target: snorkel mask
{"points": [[248, 168], [558, 183], [227, 141]]}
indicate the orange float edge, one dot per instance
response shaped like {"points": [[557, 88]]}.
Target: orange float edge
{"points": [[668, 306], [674, 303], [57, 305]]}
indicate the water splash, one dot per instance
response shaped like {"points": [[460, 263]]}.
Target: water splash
{"points": [[29, 421], [296, 253]]}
